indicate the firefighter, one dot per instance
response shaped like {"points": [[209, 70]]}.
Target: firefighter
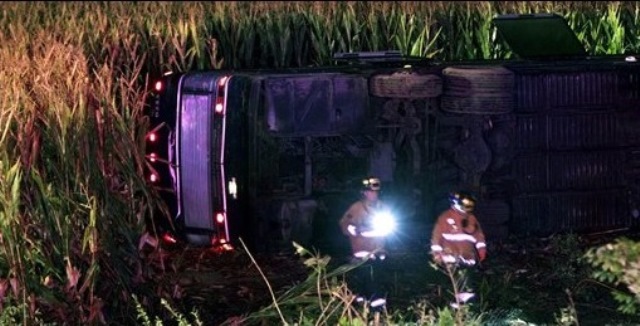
{"points": [[458, 242], [355, 223]]}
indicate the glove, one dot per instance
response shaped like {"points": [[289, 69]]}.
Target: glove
{"points": [[482, 254], [437, 257], [352, 230]]}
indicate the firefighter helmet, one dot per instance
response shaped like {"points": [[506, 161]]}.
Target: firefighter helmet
{"points": [[371, 183], [463, 201]]}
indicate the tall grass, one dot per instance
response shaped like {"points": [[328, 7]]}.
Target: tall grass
{"points": [[72, 197], [74, 79]]}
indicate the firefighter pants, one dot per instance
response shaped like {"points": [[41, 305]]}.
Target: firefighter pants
{"points": [[365, 280], [468, 278]]}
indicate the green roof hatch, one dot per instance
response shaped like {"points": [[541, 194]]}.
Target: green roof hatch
{"points": [[539, 36]]}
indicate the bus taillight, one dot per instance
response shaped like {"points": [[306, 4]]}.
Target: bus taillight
{"points": [[219, 108], [169, 239], [220, 218], [223, 81], [158, 86], [220, 95]]}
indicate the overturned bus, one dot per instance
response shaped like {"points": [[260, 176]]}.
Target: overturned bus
{"points": [[548, 141]]}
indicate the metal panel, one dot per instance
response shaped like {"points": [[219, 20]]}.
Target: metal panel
{"points": [[350, 102], [586, 170], [569, 170], [299, 105], [568, 131], [316, 105], [531, 132], [530, 214], [582, 90], [629, 87], [530, 92], [531, 172], [566, 90], [195, 160], [582, 131], [571, 211], [572, 142]]}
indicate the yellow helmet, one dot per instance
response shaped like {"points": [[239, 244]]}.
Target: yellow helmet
{"points": [[464, 200], [371, 183]]}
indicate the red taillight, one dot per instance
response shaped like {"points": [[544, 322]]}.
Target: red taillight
{"points": [[158, 86], [219, 108], [153, 157], [223, 81], [154, 177], [152, 136], [219, 105], [167, 238], [220, 218]]}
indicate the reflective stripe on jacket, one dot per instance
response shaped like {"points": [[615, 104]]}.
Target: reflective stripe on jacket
{"points": [[456, 237]]}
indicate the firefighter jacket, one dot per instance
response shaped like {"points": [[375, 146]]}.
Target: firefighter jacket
{"points": [[357, 218], [458, 239]]}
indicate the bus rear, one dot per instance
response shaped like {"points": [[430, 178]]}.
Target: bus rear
{"points": [[194, 128]]}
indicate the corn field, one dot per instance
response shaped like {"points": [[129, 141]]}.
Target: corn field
{"points": [[75, 78]]}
